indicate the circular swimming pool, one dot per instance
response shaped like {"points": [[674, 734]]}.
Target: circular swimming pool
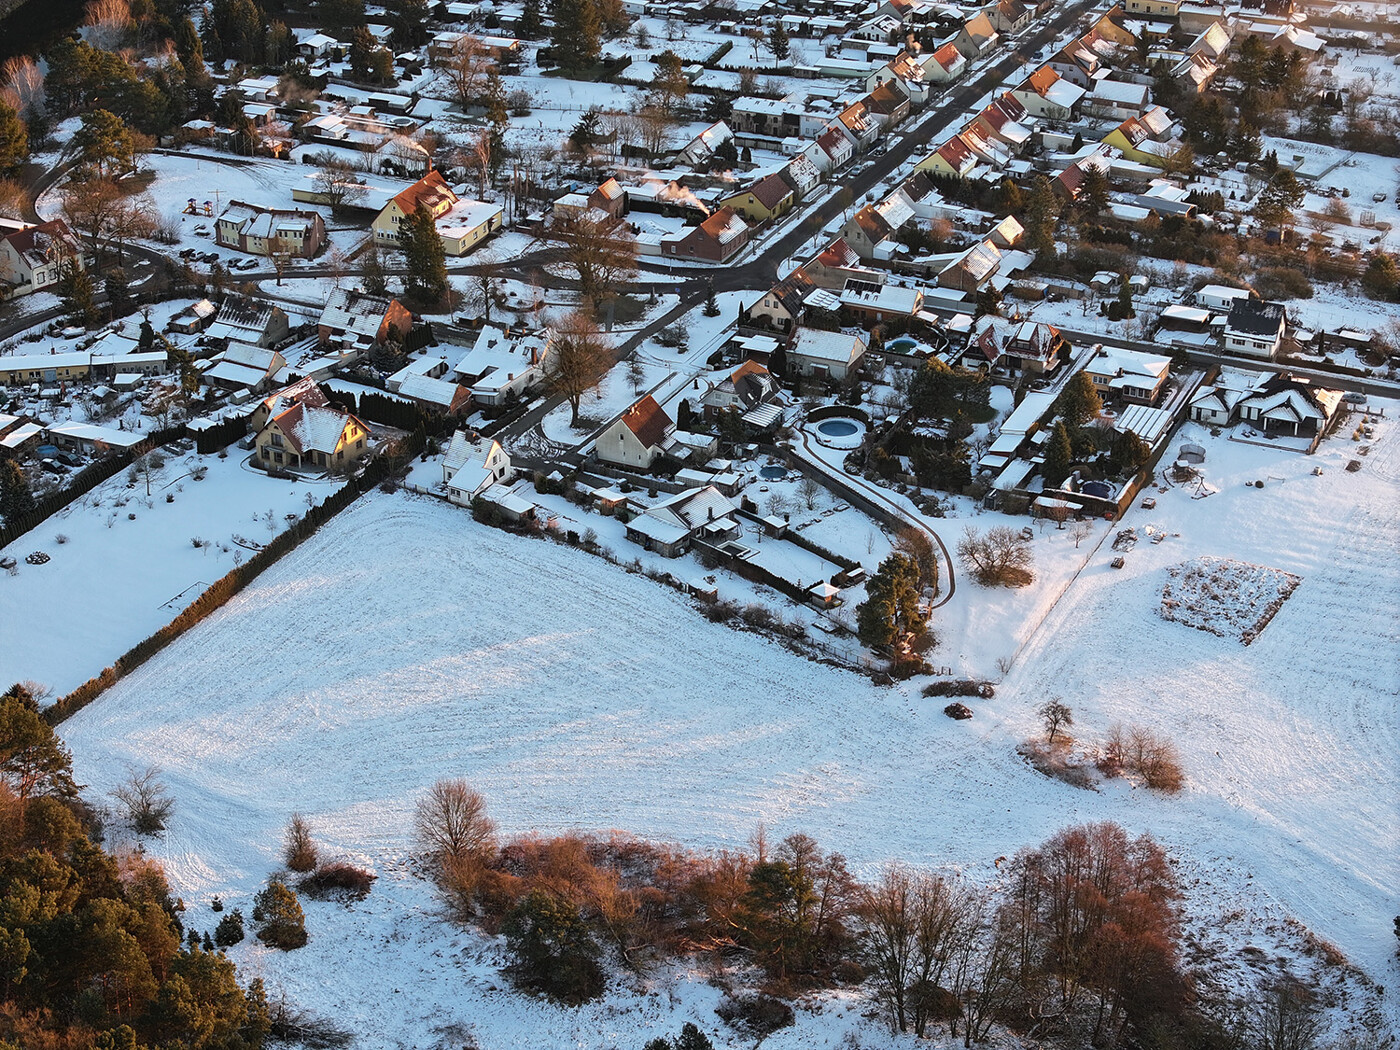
{"points": [[840, 432], [772, 472]]}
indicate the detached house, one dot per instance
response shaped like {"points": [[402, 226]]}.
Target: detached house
{"points": [[358, 321], [836, 148], [31, 258], [500, 368], [1134, 377], [257, 230], [1009, 16], [1290, 406], [1047, 94], [303, 437], [825, 355], [245, 320], [669, 527], [944, 65], [472, 465], [781, 307], [1255, 328], [719, 237], [977, 36], [638, 437], [857, 124], [770, 198], [461, 224], [749, 390]]}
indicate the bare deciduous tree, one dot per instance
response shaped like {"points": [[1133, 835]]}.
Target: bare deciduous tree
{"points": [[106, 215], [107, 23], [601, 249], [999, 556], [915, 544], [1081, 531], [466, 68], [338, 186], [147, 803], [1055, 715], [451, 821], [809, 490], [579, 357], [299, 850]]}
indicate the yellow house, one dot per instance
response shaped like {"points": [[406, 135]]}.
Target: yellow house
{"points": [[952, 159], [768, 199], [1108, 28], [431, 191], [1135, 139], [307, 437]]}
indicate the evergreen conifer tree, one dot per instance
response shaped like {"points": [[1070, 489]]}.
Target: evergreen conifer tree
{"points": [[424, 258]]}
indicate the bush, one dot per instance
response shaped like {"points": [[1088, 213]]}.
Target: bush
{"points": [[1278, 282], [147, 803], [299, 850], [338, 879], [1150, 755], [554, 952], [756, 1015], [961, 687], [230, 930], [278, 913]]}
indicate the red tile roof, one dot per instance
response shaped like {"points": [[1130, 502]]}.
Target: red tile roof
{"points": [[648, 421]]}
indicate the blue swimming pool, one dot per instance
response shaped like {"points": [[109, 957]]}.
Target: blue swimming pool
{"points": [[772, 473], [838, 428]]}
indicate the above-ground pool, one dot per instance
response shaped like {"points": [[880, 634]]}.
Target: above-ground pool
{"points": [[772, 472], [840, 432]]}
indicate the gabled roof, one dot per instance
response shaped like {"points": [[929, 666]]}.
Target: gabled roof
{"points": [[303, 392], [792, 290], [39, 244], [309, 429], [1256, 317], [431, 191], [948, 56], [769, 192], [980, 27], [838, 254], [886, 98], [648, 421], [956, 154], [611, 190], [831, 141], [724, 225]]}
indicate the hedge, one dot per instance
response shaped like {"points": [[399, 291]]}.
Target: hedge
{"points": [[222, 434], [218, 594], [84, 482]]}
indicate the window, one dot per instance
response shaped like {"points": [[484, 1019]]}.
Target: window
{"points": [[277, 457], [339, 456], [266, 452], [277, 440], [360, 443]]}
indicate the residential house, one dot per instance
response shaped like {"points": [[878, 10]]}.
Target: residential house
{"points": [[972, 269], [750, 390], [1046, 94], [472, 465], [825, 355], [780, 309], [876, 224], [977, 36], [242, 319], [1001, 119], [1255, 328], [302, 437], [1286, 405], [1009, 16], [193, 318], [953, 160], [1116, 99], [461, 224], [1156, 9], [702, 148], [1128, 375], [858, 125], [358, 321], [501, 368], [766, 200], [717, 239], [836, 148], [638, 437], [317, 46], [879, 300], [907, 73], [303, 392], [834, 265], [669, 527], [802, 175], [1007, 234], [888, 105], [258, 230], [32, 257], [944, 64], [1036, 347], [1136, 139]]}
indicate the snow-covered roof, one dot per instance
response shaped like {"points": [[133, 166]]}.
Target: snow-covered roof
{"points": [[432, 391], [92, 432]]}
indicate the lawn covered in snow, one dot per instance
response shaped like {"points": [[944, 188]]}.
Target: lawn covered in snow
{"points": [[413, 643], [128, 564]]}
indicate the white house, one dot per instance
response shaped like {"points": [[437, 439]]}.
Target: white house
{"points": [[1255, 328], [638, 437], [31, 257], [833, 355], [472, 465]]}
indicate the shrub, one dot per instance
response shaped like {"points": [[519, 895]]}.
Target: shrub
{"points": [[1278, 282], [1150, 755], [757, 1015], [147, 803], [960, 687], [338, 879], [299, 849], [554, 952], [230, 930], [278, 913]]}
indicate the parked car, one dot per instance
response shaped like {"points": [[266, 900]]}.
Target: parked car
{"points": [[1354, 397]]}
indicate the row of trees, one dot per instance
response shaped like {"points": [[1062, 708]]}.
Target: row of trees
{"points": [[1082, 933]]}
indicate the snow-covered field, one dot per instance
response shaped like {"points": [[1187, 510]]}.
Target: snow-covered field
{"points": [[343, 683], [116, 580]]}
